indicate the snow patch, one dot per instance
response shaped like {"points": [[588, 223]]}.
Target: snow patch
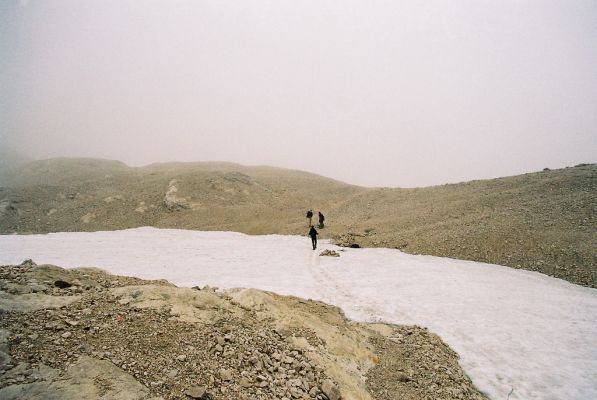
{"points": [[515, 331]]}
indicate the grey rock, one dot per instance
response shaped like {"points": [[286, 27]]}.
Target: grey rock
{"points": [[78, 382], [296, 393], [37, 288], [197, 392], [288, 360], [403, 377], [225, 374], [84, 348], [5, 361], [330, 390], [172, 373]]}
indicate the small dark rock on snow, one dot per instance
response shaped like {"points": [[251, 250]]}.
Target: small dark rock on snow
{"points": [[329, 253]]}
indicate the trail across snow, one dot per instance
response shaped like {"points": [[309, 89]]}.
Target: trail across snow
{"points": [[513, 329]]}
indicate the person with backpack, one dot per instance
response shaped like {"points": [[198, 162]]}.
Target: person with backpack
{"points": [[313, 233], [309, 216], [321, 219]]}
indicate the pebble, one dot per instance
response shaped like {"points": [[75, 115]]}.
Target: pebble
{"points": [[225, 374], [403, 377], [172, 373]]}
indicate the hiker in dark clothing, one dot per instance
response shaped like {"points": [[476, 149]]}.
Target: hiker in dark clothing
{"points": [[321, 219], [309, 216], [313, 233]]}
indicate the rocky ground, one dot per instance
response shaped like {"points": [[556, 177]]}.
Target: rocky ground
{"points": [[72, 334], [544, 221]]}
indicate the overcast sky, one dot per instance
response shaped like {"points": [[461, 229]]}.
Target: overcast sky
{"points": [[375, 93]]}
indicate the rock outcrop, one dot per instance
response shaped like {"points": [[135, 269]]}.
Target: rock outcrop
{"points": [[171, 201], [115, 337]]}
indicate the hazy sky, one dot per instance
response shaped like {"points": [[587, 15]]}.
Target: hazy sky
{"points": [[376, 93]]}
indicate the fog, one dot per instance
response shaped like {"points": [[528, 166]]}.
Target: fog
{"points": [[375, 93]]}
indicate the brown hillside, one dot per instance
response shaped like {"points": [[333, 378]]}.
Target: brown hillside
{"points": [[544, 221]]}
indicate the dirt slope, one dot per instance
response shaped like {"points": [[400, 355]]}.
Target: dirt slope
{"points": [[544, 221]]}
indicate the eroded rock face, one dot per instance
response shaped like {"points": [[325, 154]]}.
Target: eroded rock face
{"points": [[33, 301], [172, 201], [126, 338], [87, 378]]}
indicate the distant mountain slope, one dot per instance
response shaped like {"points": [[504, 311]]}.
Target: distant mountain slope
{"points": [[544, 221], [10, 162], [65, 171]]}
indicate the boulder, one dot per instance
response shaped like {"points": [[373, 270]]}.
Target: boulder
{"points": [[330, 390]]}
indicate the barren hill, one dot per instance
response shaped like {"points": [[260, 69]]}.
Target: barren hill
{"points": [[544, 221]]}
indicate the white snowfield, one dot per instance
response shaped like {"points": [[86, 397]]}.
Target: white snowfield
{"points": [[520, 335]]}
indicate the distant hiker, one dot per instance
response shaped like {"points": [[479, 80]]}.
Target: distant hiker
{"points": [[313, 233], [309, 216], [321, 219]]}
